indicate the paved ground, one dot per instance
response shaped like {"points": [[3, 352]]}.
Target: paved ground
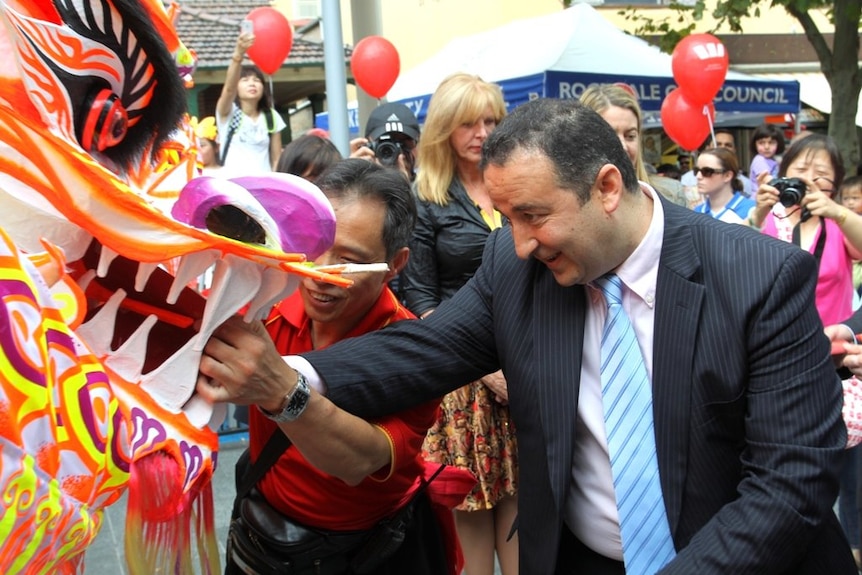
{"points": [[106, 556]]}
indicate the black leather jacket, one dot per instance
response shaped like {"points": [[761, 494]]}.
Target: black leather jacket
{"points": [[445, 251]]}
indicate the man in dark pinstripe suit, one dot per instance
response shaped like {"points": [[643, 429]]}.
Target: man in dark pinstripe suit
{"points": [[746, 403]]}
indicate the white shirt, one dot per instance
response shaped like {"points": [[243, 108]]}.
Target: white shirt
{"points": [[248, 153], [591, 509]]}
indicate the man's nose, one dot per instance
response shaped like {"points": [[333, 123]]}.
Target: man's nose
{"points": [[525, 244]]}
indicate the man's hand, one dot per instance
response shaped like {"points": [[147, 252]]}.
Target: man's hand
{"points": [[853, 358], [497, 384], [240, 364], [359, 149], [839, 336]]}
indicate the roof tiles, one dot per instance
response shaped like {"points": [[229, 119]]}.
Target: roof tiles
{"points": [[211, 27]]}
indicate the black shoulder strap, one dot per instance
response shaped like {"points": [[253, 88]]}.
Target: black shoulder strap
{"points": [[270, 121], [277, 444], [233, 125], [821, 240]]}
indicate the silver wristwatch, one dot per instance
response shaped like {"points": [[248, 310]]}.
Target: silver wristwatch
{"points": [[294, 402]]}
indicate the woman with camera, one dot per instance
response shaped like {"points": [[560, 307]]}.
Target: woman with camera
{"points": [[798, 207], [455, 217]]}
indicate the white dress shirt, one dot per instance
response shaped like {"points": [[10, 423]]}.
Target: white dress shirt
{"points": [[591, 509]]}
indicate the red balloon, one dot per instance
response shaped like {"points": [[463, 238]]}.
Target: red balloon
{"points": [[375, 65], [700, 64], [273, 39], [685, 122]]}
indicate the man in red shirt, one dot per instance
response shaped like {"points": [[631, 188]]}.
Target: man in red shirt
{"points": [[346, 474]]}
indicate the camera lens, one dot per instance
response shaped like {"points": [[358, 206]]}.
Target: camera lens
{"points": [[387, 153], [790, 191], [790, 197]]}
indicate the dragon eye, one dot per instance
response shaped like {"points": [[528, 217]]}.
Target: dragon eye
{"points": [[106, 124]]}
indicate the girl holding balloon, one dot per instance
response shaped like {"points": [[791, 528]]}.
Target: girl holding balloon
{"points": [[248, 127]]}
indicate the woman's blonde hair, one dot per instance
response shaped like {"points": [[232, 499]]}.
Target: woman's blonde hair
{"points": [[600, 97], [459, 99]]}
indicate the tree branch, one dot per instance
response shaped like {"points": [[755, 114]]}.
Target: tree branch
{"points": [[824, 54]]}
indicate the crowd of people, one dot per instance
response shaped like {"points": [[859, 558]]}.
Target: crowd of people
{"points": [[468, 407]]}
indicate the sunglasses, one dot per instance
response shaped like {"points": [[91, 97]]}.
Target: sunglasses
{"points": [[708, 172]]}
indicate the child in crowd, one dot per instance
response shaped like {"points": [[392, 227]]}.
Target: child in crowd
{"points": [[207, 136], [767, 142], [851, 198]]}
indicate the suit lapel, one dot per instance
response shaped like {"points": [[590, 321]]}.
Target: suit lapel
{"points": [[679, 299], [558, 333]]}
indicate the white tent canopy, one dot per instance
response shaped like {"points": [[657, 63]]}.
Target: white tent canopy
{"points": [[559, 54], [578, 38]]}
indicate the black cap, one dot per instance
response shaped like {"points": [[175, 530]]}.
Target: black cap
{"points": [[392, 117]]}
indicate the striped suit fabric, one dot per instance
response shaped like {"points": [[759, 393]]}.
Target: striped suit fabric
{"points": [[746, 403]]}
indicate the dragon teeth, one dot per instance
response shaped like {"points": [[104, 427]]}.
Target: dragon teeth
{"points": [[145, 270], [235, 283], [128, 360], [98, 332], [275, 286], [106, 256], [191, 266]]}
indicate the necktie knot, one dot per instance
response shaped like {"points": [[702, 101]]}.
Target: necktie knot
{"points": [[612, 288]]}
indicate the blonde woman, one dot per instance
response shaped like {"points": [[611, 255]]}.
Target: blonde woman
{"points": [[455, 216], [619, 107]]}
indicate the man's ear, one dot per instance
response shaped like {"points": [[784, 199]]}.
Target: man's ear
{"points": [[397, 263], [609, 184]]}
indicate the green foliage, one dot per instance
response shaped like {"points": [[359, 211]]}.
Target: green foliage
{"points": [[669, 29], [683, 18]]}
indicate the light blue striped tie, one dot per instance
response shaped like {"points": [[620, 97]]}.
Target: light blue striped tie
{"points": [[627, 398]]}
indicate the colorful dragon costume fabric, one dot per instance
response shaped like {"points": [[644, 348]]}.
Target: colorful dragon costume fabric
{"points": [[103, 226]]}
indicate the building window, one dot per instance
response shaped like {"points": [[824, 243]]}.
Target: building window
{"points": [[306, 9]]}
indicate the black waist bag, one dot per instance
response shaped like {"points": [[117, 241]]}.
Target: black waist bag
{"points": [[265, 542]]}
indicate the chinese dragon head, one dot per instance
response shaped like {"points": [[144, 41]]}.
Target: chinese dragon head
{"points": [[103, 227]]}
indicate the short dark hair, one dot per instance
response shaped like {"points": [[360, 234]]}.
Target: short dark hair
{"points": [[576, 140], [851, 182], [767, 131], [307, 156], [810, 145], [359, 178], [668, 171]]}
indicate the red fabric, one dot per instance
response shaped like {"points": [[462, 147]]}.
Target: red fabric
{"points": [[310, 496], [447, 490]]}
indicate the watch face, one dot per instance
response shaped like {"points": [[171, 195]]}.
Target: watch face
{"points": [[296, 404]]}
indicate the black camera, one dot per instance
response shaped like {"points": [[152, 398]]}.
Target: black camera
{"points": [[790, 190], [387, 151]]}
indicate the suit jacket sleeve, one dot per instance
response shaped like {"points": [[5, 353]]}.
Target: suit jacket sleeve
{"points": [[411, 362], [791, 438]]}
